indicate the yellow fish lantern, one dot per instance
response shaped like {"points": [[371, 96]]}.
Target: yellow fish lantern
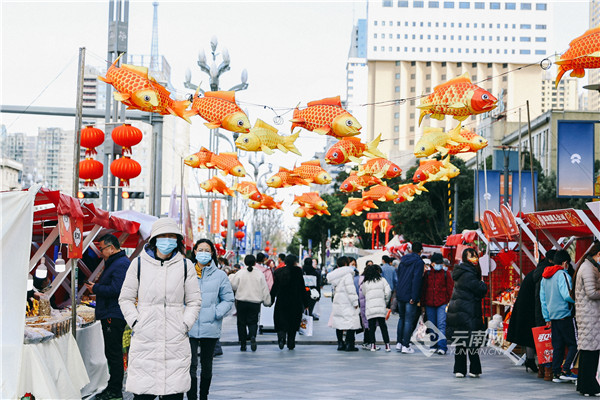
{"points": [[434, 140], [447, 172], [264, 137], [311, 171], [306, 212]]}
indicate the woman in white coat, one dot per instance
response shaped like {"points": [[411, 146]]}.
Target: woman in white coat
{"points": [[345, 311], [377, 295], [168, 302]]}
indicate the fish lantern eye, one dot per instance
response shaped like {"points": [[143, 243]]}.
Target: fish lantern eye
{"points": [[485, 96], [246, 140], [335, 154], [240, 123], [146, 98], [395, 169], [349, 122], [422, 148]]}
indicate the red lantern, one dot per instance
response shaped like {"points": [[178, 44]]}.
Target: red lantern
{"points": [[268, 243], [224, 234], [224, 223], [126, 136], [90, 169], [220, 250], [125, 169], [267, 249], [91, 137], [239, 235], [239, 224]]}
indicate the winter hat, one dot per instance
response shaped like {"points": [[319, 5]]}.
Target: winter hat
{"points": [[164, 225], [437, 258]]}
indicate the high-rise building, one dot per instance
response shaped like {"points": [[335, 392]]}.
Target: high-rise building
{"points": [[563, 97], [593, 75], [413, 46], [357, 73], [55, 158]]}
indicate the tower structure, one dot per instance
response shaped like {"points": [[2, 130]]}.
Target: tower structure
{"points": [[154, 49]]}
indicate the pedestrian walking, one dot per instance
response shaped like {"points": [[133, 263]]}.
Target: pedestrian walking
{"points": [[217, 300], [544, 370], [557, 308], [160, 300], [408, 289], [345, 310], [377, 295], [260, 265], [108, 312], [436, 293], [312, 280], [362, 304], [388, 272], [290, 299], [250, 287], [587, 307], [464, 319], [281, 262]]}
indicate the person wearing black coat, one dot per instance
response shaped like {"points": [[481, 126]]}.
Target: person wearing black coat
{"points": [[539, 317], [309, 269], [464, 318], [288, 290]]}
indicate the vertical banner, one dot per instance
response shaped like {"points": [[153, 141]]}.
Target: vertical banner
{"points": [[492, 195], [76, 247], [257, 240], [215, 220], [575, 159], [527, 205], [187, 229], [243, 242], [64, 227]]}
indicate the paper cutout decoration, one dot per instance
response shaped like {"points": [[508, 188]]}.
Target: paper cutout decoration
{"points": [[263, 137], [355, 183], [435, 139], [326, 117], [220, 110], [266, 203], [472, 143], [429, 168]]}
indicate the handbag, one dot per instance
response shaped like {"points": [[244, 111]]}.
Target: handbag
{"points": [[306, 325], [420, 333]]}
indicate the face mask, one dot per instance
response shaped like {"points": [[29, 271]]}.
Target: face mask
{"points": [[203, 257], [437, 267], [473, 260], [166, 245]]}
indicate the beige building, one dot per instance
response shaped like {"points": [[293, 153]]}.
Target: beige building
{"points": [[563, 97], [10, 172]]}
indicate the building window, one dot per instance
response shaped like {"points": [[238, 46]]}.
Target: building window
{"points": [[428, 37], [525, 6], [412, 89], [524, 51], [540, 39], [443, 77], [540, 52], [443, 37], [540, 6], [458, 64], [397, 36], [510, 6], [391, 36], [397, 115], [460, 25], [396, 128], [397, 89], [398, 23], [387, 3], [434, 4], [540, 27], [403, 3], [467, 37], [397, 63], [417, 4], [374, 48], [448, 4], [396, 141], [494, 6], [398, 48], [428, 76], [374, 36], [412, 76], [406, 49], [525, 26], [413, 63], [390, 48], [437, 37], [382, 23], [479, 5], [437, 24], [412, 115], [412, 129], [414, 37], [474, 77], [464, 5], [524, 39], [375, 23]]}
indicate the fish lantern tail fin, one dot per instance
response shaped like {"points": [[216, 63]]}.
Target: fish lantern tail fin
{"points": [[296, 120], [288, 143], [423, 114], [372, 151], [179, 109]]}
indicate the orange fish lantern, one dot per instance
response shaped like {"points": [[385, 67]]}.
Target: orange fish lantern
{"points": [[351, 149], [228, 163], [380, 193], [248, 190], [168, 106], [199, 159], [216, 185], [311, 200], [447, 172], [357, 206], [312, 172], [458, 97], [267, 203], [380, 168], [306, 212], [354, 183], [408, 191], [583, 52], [285, 178], [326, 117], [220, 110], [429, 168]]}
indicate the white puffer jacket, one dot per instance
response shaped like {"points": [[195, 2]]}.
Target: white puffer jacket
{"points": [[377, 295], [345, 311], [160, 356], [587, 306]]}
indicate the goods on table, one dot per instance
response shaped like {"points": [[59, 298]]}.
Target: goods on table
{"points": [[508, 296], [57, 324], [88, 314], [36, 335]]}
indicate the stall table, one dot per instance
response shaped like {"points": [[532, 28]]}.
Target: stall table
{"points": [[91, 346]]}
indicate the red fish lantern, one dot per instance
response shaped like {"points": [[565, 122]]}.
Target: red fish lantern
{"points": [[239, 224], [91, 137], [125, 169], [126, 136], [239, 235], [89, 170], [224, 234], [224, 223]]}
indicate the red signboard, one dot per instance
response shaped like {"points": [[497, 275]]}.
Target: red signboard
{"points": [[493, 225], [379, 215], [554, 219], [216, 216], [76, 247]]}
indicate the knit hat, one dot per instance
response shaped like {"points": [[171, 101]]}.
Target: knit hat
{"points": [[164, 225], [437, 258]]}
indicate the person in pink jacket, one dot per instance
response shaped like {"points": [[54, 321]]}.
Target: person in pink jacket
{"points": [[260, 260]]}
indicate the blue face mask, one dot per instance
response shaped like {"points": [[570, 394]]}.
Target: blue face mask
{"points": [[166, 245], [437, 267], [203, 257]]}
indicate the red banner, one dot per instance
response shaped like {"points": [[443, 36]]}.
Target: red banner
{"points": [[64, 227], [554, 219], [76, 247], [215, 216], [379, 215]]}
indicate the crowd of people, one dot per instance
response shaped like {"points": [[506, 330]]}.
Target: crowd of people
{"points": [[175, 307]]}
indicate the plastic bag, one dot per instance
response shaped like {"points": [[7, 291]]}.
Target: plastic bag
{"points": [[306, 325]]}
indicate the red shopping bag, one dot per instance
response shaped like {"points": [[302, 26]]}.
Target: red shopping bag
{"points": [[542, 336]]}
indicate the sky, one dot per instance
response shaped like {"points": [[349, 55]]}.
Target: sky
{"points": [[294, 52]]}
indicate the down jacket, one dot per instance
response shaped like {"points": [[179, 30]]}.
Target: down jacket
{"points": [[288, 289], [217, 300], [377, 295], [464, 310], [345, 311], [168, 303], [587, 306]]}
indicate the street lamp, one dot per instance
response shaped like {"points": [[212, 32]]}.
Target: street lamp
{"points": [[214, 72]]}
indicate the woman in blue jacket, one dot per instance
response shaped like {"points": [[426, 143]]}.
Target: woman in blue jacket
{"points": [[217, 300]]}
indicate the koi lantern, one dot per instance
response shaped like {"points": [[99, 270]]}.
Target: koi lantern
{"points": [[239, 224], [125, 169], [224, 234], [239, 235], [89, 170], [126, 136], [224, 223], [90, 138]]}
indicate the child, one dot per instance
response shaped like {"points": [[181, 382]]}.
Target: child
{"points": [[436, 293], [377, 295]]}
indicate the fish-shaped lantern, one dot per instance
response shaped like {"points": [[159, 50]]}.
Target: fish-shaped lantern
{"points": [[428, 168], [312, 200], [445, 173], [220, 110], [285, 178], [380, 193], [583, 52], [216, 185], [267, 203], [380, 168], [472, 143], [326, 117], [351, 149], [199, 159], [248, 190], [354, 183], [458, 97], [264, 137], [409, 190], [137, 90], [228, 163], [311, 171], [434, 140], [306, 212], [357, 206]]}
